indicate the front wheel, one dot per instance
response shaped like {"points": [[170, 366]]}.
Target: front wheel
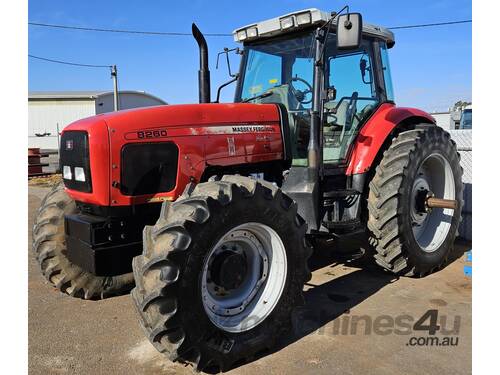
{"points": [[410, 236], [221, 272], [49, 246]]}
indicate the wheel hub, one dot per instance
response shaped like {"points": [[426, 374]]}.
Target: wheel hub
{"points": [[420, 200], [243, 277], [431, 225], [229, 270], [419, 194]]}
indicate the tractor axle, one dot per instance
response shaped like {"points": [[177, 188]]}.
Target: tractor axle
{"points": [[432, 202]]}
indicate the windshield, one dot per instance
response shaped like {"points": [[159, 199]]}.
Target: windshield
{"points": [[271, 65], [281, 71]]}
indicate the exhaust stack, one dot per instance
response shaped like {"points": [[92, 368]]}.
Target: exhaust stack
{"points": [[203, 73]]}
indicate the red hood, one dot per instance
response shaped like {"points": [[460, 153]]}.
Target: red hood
{"points": [[182, 115], [200, 131]]}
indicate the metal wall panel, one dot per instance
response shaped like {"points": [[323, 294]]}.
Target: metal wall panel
{"points": [[463, 139], [44, 116], [443, 120]]}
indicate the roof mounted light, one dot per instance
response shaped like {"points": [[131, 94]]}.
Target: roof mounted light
{"points": [[300, 20], [241, 35], [247, 33], [252, 32], [287, 23], [303, 18]]}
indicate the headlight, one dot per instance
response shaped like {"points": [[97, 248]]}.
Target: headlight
{"points": [[79, 174], [67, 173], [74, 159], [241, 35], [303, 18], [252, 32], [286, 23]]}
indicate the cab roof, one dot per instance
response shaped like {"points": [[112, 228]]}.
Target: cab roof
{"points": [[299, 20]]}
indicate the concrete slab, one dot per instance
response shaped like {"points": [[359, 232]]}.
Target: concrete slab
{"points": [[71, 336]]}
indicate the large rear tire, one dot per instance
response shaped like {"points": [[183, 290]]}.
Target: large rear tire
{"points": [[221, 272], [49, 246], [408, 241]]}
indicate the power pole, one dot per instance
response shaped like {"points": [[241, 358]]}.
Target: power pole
{"points": [[114, 75]]}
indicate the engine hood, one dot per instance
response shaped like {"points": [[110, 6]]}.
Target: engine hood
{"points": [[205, 134], [183, 115]]}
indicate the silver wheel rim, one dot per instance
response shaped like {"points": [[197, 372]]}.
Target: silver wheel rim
{"points": [[430, 229], [247, 305]]}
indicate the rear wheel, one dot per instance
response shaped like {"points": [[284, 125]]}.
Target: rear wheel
{"points": [[221, 272], [409, 237], [49, 246]]}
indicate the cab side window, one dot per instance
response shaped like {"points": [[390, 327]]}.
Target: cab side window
{"points": [[387, 72], [351, 76]]}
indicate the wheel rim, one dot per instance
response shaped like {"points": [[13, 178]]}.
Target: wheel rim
{"points": [[243, 277], [431, 227]]}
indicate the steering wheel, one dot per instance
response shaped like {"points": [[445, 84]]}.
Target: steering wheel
{"points": [[299, 94]]}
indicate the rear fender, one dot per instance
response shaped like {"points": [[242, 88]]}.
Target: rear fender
{"points": [[376, 131]]}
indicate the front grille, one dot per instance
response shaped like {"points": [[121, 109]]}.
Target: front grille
{"points": [[148, 168], [73, 153]]}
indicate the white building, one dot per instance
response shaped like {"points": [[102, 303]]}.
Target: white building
{"points": [[452, 121], [460, 118], [50, 111], [443, 119]]}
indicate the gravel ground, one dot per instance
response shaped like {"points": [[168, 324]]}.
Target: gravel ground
{"points": [[70, 336]]}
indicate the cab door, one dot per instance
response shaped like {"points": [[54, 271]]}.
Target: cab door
{"points": [[352, 97]]}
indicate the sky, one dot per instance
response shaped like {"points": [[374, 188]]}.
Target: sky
{"points": [[431, 67]]}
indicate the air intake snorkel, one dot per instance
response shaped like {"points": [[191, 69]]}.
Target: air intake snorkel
{"points": [[203, 73]]}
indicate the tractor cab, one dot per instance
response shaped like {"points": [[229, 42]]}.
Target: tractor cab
{"points": [[329, 80], [280, 62]]}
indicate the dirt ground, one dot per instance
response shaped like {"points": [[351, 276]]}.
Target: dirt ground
{"points": [[70, 336]]}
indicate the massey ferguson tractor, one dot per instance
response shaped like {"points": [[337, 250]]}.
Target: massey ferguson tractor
{"points": [[212, 208]]}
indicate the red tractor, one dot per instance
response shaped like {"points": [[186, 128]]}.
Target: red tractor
{"points": [[211, 208]]}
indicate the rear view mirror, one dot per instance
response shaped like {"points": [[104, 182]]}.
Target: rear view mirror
{"points": [[349, 29]]}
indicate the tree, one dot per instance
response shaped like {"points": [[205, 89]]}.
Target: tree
{"points": [[460, 105]]}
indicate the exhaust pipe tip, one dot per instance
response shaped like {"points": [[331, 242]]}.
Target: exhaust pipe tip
{"points": [[204, 72], [197, 33]]}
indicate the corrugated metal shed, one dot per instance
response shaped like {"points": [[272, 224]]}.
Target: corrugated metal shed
{"points": [[443, 119], [62, 95], [50, 111]]}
